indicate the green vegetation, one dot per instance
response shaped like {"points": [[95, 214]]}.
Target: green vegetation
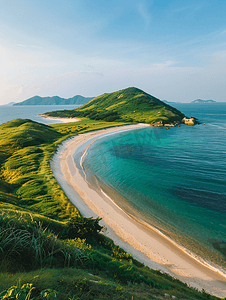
{"points": [[47, 249], [130, 105]]}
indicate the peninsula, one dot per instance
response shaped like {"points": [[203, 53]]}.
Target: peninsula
{"points": [[130, 105]]}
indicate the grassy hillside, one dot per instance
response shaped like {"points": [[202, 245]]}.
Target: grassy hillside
{"points": [[128, 105], [26, 178], [45, 242]]}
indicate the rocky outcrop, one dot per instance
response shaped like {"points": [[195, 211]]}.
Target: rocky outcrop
{"points": [[185, 120], [157, 124], [190, 121]]}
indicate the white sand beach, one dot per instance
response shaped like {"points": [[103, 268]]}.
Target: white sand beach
{"points": [[60, 120], [145, 243]]}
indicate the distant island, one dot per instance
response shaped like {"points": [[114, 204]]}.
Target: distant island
{"points": [[165, 101], [55, 100], [203, 101], [130, 105]]}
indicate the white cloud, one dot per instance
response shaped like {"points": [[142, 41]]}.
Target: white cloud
{"points": [[164, 65], [143, 11], [29, 46]]}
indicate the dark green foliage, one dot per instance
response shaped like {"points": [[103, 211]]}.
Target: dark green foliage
{"points": [[71, 113], [27, 247], [5, 187], [25, 292], [83, 227], [108, 247], [124, 272]]}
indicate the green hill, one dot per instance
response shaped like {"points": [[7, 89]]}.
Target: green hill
{"points": [[20, 133], [55, 100], [26, 180], [128, 105]]}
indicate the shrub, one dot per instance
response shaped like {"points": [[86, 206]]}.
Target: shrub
{"points": [[83, 228]]}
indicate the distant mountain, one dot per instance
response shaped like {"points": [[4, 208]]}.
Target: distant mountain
{"points": [[128, 105], [55, 100], [203, 101], [9, 104], [165, 101]]}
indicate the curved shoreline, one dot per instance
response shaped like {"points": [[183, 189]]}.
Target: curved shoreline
{"points": [[147, 245]]}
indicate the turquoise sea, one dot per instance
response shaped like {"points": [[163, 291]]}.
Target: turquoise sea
{"points": [[173, 179], [8, 113]]}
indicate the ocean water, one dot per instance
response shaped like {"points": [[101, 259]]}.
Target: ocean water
{"points": [[173, 179], [8, 113]]}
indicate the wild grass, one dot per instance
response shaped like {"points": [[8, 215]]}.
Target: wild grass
{"points": [[26, 178], [26, 173], [90, 271], [27, 246]]}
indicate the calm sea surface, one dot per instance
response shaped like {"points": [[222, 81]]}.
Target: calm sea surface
{"points": [[8, 113], [173, 179]]}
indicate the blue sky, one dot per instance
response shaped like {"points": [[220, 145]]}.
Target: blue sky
{"points": [[174, 50]]}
